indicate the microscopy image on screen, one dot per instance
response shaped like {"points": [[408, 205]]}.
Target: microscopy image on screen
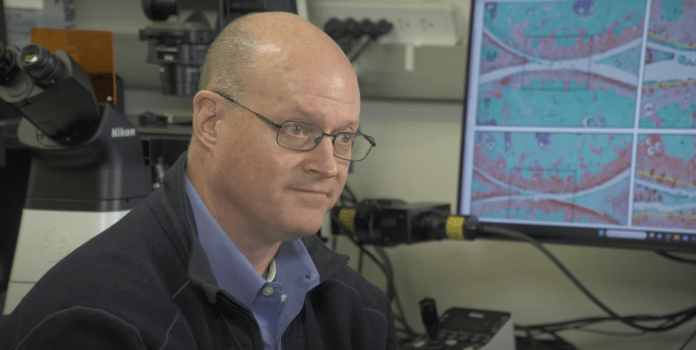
{"points": [[669, 81], [665, 183], [561, 63], [580, 118], [558, 177]]}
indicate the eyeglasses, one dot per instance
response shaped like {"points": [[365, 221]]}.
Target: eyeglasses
{"points": [[301, 136]]}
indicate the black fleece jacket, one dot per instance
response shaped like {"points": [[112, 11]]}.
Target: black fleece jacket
{"points": [[146, 283]]}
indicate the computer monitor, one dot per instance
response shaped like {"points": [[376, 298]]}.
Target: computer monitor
{"points": [[580, 121]]}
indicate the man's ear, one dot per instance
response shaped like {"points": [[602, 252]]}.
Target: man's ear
{"points": [[206, 113]]}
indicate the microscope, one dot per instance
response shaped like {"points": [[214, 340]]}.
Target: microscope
{"points": [[87, 164], [179, 47]]}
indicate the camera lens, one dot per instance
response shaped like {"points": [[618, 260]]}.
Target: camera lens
{"points": [[37, 62], [8, 65]]}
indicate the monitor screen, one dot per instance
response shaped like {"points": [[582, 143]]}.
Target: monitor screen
{"points": [[580, 121]]}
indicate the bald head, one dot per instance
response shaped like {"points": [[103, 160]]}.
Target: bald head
{"points": [[266, 41], [267, 50]]}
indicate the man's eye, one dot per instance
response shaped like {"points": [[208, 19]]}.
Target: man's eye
{"points": [[294, 129], [345, 138]]}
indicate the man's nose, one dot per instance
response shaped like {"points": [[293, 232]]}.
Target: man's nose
{"points": [[322, 158]]}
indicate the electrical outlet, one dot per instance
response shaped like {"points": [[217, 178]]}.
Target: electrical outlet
{"points": [[414, 23]]}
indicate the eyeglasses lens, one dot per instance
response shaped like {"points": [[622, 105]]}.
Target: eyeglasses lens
{"points": [[304, 137]]}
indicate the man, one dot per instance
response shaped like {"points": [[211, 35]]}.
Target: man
{"points": [[224, 255]]}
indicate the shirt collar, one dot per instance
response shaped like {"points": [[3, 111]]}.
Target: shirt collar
{"points": [[233, 272]]}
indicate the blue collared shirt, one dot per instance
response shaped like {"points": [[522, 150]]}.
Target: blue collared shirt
{"points": [[274, 301]]}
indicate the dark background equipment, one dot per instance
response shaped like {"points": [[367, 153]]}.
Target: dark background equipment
{"points": [[460, 329], [580, 153], [87, 163], [72, 137], [389, 222], [179, 47], [374, 222], [347, 33]]}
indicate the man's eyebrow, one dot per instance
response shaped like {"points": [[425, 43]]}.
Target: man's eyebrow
{"points": [[309, 117], [355, 121]]}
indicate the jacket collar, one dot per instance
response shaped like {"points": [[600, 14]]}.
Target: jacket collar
{"points": [[176, 203]]}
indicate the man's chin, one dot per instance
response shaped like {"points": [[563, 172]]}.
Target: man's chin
{"points": [[303, 222], [303, 230], [297, 234]]}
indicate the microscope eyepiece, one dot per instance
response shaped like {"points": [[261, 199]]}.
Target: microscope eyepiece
{"points": [[40, 64], [8, 65]]}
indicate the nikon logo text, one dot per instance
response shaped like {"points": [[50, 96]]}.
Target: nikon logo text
{"points": [[121, 132]]}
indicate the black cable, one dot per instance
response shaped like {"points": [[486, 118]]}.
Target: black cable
{"points": [[346, 196], [391, 293], [688, 340], [387, 271], [369, 255], [675, 258], [402, 330], [351, 195], [627, 321], [565, 325], [562, 340], [668, 323], [519, 236], [373, 31], [361, 49], [387, 268], [334, 242], [615, 334], [391, 289], [360, 262], [362, 249]]}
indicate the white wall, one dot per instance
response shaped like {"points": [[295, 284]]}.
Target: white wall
{"points": [[417, 159]]}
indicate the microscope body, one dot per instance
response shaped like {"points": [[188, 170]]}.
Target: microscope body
{"points": [[87, 163]]}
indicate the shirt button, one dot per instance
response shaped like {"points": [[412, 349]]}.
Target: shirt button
{"points": [[283, 297], [268, 291]]}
